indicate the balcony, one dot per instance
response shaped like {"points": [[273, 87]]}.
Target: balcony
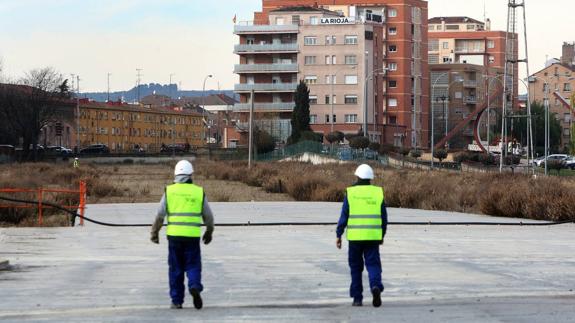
{"points": [[266, 87], [470, 84], [265, 29], [266, 48], [470, 99], [265, 68], [268, 106], [469, 50]]}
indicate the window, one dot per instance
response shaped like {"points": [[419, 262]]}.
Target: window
{"points": [[470, 27], [313, 118], [392, 66], [431, 27], [313, 20], [392, 120], [280, 21], [327, 59], [333, 60], [567, 87], [310, 79], [334, 118], [327, 99], [392, 102], [433, 45], [567, 117], [392, 84], [327, 79], [490, 44], [350, 118], [452, 27], [351, 79], [433, 59], [313, 99], [309, 60], [327, 118], [350, 59], [491, 59], [445, 45], [393, 30], [350, 99], [447, 59], [350, 40], [330, 40], [392, 48], [295, 20], [310, 40], [392, 13], [439, 27]]}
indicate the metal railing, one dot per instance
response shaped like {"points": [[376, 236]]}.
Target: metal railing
{"points": [[470, 99], [469, 83], [246, 29], [266, 87], [469, 50], [265, 68], [265, 48], [282, 106]]}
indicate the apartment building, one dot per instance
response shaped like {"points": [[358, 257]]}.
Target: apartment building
{"points": [[342, 51], [555, 85], [126, 128], [457, 91]]}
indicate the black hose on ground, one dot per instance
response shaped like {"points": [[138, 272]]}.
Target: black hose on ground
{"points": [[262, 224]]}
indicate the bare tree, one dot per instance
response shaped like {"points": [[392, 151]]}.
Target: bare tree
{"points": [[33, 102]]}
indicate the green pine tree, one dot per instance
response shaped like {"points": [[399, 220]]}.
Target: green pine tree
{"points": [[300, 115]]}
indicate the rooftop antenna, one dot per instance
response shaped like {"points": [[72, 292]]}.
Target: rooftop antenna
{"points": [[138, 80], [484, 12]]}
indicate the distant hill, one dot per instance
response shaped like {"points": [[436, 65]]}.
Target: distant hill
{"points": [[150, 89]]}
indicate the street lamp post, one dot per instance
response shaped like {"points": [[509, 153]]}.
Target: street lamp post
{"points": [[443, 98], [204, 105], [333, 80], [365, 92]]}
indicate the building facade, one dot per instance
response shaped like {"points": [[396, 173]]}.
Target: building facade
{"points": [[457, 91], [363, 64], [555, 85], [127, 128]]}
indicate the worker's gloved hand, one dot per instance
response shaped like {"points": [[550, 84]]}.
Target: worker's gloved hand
{"points": [[155, 238], [338, 243], [207, 238], [381, 242]]}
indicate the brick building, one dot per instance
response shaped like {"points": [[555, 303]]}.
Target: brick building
{"points": [[341, 49]]}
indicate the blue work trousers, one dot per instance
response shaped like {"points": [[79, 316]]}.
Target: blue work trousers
{"points": [[184, 257], [360, 251]]}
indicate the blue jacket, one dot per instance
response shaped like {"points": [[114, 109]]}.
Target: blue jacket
{"points": [[342, 224]]}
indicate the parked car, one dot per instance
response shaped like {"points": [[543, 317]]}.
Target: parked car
{"points": [[540, 162], [95, 149], [178, 148], [59, 150], [570, 162]]}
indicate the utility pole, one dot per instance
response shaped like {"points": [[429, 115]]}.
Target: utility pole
{"points": [[251, 139], [109, 87], [78, 113], [139, 79]]}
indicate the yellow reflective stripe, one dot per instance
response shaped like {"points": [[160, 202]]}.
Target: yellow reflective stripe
{"points": [[371, 216], [364, 227], [186, 214], [186, 224]]}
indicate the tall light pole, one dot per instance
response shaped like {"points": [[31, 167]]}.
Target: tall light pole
{"points": [[139, 79], [489, 79], [109, 86], [170, 86], [365, 92], [334, 80], [204, 105], [459, 79], [78, 113]]}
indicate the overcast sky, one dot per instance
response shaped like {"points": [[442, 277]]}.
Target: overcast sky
{"points": [[192, 38]]}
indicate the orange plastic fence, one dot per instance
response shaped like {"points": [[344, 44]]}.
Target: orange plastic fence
{"points": [[41, 193]]}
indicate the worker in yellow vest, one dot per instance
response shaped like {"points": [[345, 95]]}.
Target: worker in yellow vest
{"points": [[365, 216], [186, 208]]}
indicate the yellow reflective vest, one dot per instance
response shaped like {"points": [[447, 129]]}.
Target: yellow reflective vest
{"points": [[364, 222], [184, 204]]}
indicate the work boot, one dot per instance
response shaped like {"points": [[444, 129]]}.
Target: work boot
{"points": [[357, 302], [197, 298], [176, 306], [376, 297]]}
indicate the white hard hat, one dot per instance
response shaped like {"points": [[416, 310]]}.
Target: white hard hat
{"points": [[183, 167], [364, 171]]}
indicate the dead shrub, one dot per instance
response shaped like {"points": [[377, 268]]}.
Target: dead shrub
{"points": [[274, 184], [301, 189], [99, 188]]}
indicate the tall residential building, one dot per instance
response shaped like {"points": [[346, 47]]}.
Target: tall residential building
{"points": [[469, 47], [556, 84], [342, 51]]}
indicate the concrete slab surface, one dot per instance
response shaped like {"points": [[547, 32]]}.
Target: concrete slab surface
{"points": [[286, 273]]}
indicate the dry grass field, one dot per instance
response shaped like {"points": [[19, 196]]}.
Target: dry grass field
{"points": [[492, 194]]}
